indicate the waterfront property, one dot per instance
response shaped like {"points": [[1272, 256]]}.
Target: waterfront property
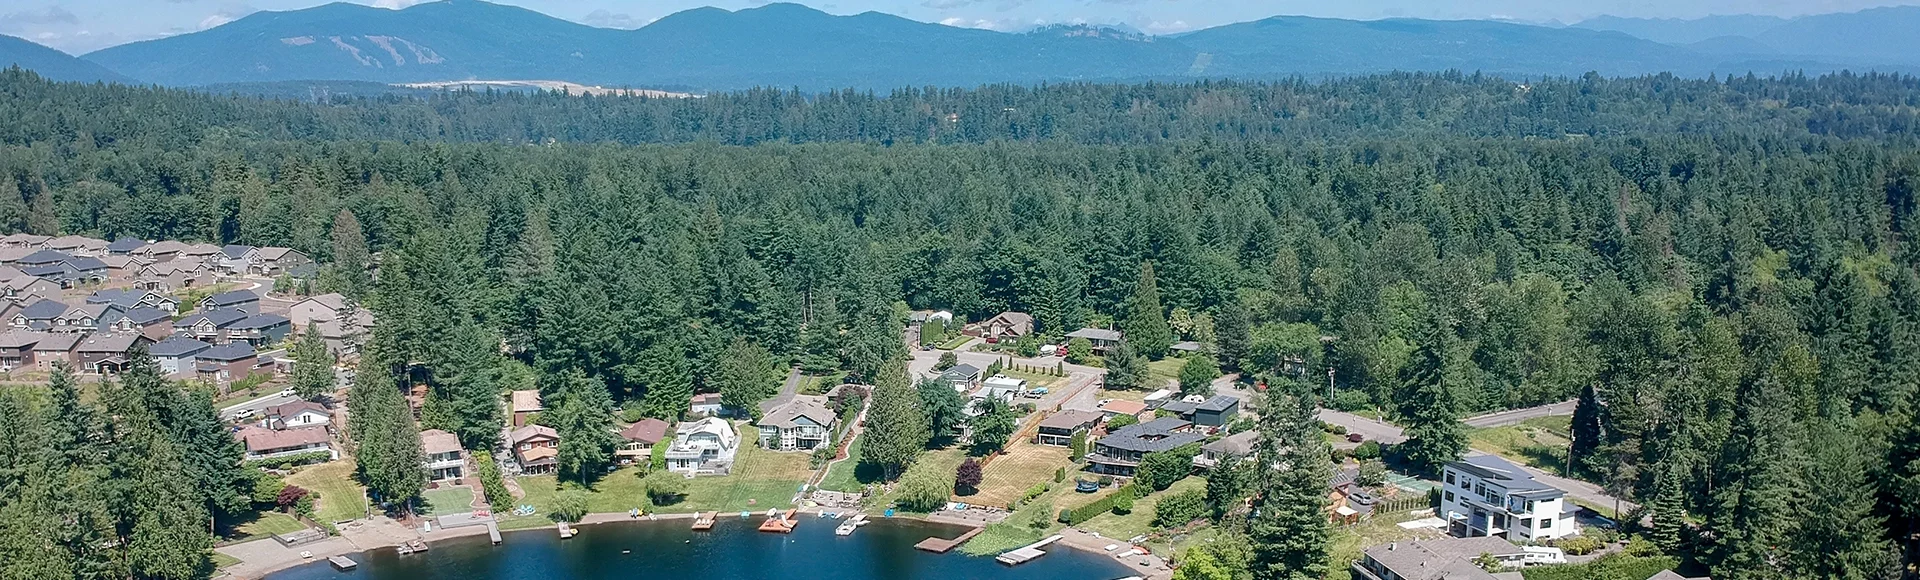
{"points": [[1235, 447], [1436, 559], [703, 447], [1485, 495], [1102, 339], [638, 439], [264, 443], [536, 448], [525, 405], [1059, 428], [445, 459], [800, 424], [1121, 451]]}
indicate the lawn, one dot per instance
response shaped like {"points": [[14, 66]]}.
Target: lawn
{"points": [[850, 476], [341, 498], [1024, 464], [1540, 442], [446, 500], [761, 479], [1166, 370], [1037, 380], [955, 342], [819, 385], [941, 461], [1140, 520], [270, 523], [222, 560]]}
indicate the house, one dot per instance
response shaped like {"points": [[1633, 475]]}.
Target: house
{"points": [[1103, 339], [1000, 387], [108, 353], [78, 245], [160, 251], [963, 377], [24, 240], [330, 306], [209, 326], [445, 459], [24, 285], [84, 318], [800, 424], [297, 414], [260, 329], [638, 439], [39, 315], [1435, 559], [263, 443], [174, 275], [1059, 428], [1485, 495], [44, 257], [176, 354], [1216, 412], [1235, 447], [705, 405], [242, 300], [123, 267], [16, 349], [1116, 407], [227, 363], [1002, 325], [131, 298], [1121, 451], [54, 347], [704, 447], [1187, 347], [153, 323], [343, 337], [231, 260], [536, 448], [525, 405], [126, 246], [274, 261]]}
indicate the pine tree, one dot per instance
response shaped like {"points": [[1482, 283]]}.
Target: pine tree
{"points": [[1145, 322], [1289, 526], [743, 377], [387, 453], [465, 398], [1583, 452], [1435, 435], [1757, 501], [1840, 537], [897, 427], [312, 365], [350, 256], [663, 372], [1227, 485], [160, 519], [583, 418], [1234, 330], [1127, 370], [1669, 512], [946, 409]]}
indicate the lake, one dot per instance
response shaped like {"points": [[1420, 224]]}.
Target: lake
{"points": [[733, 550]]}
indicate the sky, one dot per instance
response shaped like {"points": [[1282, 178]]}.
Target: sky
{"points": [[81, 26]]}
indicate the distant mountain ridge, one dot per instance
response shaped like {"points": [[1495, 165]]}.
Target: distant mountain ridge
{"points": [[790, 45], [53, 64]]}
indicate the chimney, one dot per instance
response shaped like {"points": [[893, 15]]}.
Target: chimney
{"points": [[1391, 546]]}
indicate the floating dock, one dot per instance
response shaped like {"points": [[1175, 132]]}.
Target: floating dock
{"points": [[342, 563], [943, 545], [703, 522], [779, 522], [566, 531], [854, 523], [493, 532], [1026, 554], [413, 547]]}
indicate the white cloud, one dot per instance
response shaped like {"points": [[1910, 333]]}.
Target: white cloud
{"points": [[1158, 27], [605, 19], [395, 4], [215, 20]]}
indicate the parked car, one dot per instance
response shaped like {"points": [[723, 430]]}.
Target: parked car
{"points": [[1355, 438], [1362, 498]]}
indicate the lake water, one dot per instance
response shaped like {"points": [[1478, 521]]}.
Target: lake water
{"points": [[733, 550]]}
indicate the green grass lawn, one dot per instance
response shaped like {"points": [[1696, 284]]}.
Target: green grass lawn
{"points": [[446, 500], [1166, 370], [1024, 464], [270, 523], [849, 476], [943, 461], [1140, 520], [761, 479], [341, 498], [819, 385], [1540, 442], [955, 342], [222, 560], [1037, 380]]}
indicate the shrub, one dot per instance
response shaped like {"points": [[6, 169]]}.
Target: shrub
{"points": [[1608, 567], [1351, 400], [967, 477], [266, 488], [1059, 474], [1079, 351], [1178, 509], [947, 360], [1367, 450], [1119, 421], [569, 506], [665, 487], [1106, 480], [1037, 490], [657, 461], [290, 496], [924, 491], [492, 486], [1579, 545], [1079, 515], [289, 461], [1160, 469], [1123, 501], [1372, 473], [1337, 429]]}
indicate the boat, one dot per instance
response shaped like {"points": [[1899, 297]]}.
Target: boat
{"points": [[853, 523], [566, 531]]}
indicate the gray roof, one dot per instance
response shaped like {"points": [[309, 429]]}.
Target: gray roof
{"points": [[235, 251], [1236, 444], [126, 245], [46, 309], [962, 369], [146, 315], [1071, 419], [1505, 474], [1186, 345], [124, 297], [50, 271], [1182, 408], [259, 321], [229, 352], [786, 416], [45, 257], [110, 342], [87, 264], [58, 342], [177, 346], [1096, 334], [1152, 436], [220, 318], [1218, 403], [1441, 558], [234, 297]]}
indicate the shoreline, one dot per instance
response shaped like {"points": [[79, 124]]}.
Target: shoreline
{"points": [[263, 557]]}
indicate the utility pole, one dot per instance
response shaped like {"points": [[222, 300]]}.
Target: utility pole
{"points": [[1329, 387]]}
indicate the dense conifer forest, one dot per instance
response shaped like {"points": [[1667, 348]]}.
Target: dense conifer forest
{"points": [[1719, 269]]}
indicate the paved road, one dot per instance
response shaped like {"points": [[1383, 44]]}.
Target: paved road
{"points": [[1371, 429], [1515, 416], [1072, 396], [256, 405]]}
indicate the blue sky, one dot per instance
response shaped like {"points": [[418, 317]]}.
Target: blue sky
{"points": [[79, 26]]}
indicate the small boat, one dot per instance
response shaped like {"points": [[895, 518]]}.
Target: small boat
{"points": [[566, 531]]}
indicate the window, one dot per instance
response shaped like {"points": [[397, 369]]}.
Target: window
{"points": [[1546, 523], [1449, 478], [1449, 496]]}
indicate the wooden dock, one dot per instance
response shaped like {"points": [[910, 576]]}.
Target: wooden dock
{"points": [[1027, 553], [943, 545], [853, 523], [493, 532], [703, 522], [342, 563], [779, 522]]}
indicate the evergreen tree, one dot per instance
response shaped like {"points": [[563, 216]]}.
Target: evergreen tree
{"points": [[992, 427], [1840, 537], [1127, 370], [1669, 512], [350, 256], [1227, 485], [1289, 527], [583, 418], [312, 365], [945, 408], [387, 454], [1145, 322], [1234, 331], [1584, 451], [465, 395], [159, 518], [897, 427], [1757, 502], [743, 377], [668, 382], [1435, 435]]}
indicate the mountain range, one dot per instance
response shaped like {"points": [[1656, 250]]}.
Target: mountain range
{"points": [[790, 45]]}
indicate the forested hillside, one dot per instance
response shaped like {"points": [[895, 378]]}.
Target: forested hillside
{"points": [[1725, 263]]}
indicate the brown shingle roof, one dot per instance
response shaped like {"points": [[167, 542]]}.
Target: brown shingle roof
{"points": [[648, 431], [259, 440], [435, 441]]}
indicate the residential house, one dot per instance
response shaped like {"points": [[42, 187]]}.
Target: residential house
{"points": [[161, 251], [1121, 451], [1235, 447], [22, 285], [1485, 495], [330, 306], [16, 349], [638, 439], [1059, 428], [445, 459], [209, 326], [964, 377], [123, 267], [11, 255], [108, 353], [37, 315], [536, 448], [24, 240], [126, 246], [1000, 388], [1103, 339], [173, 275], [274, 261], [1434, 559], [153, 323], [78, 245], [1116, 407], [227, 363], [131, 298], [243, 300], [260, 329], [176, 354], [84, 318], [201, 253], [55, 347], [1213, 412], [44, 257], [1002, 325], [297, 414], [800, 424], [263, 443], [703, 447], [705, 405], [524, 405], [1187, 347], [343, 337]]}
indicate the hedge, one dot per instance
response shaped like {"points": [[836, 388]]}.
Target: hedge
{"points": [[1080, 515], [287, 461]]}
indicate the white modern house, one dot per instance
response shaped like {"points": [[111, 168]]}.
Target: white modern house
{"points": [[704, 447], [1485, 495]]}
